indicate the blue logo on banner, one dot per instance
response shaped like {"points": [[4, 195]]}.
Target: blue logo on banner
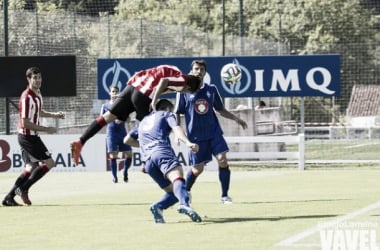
{"points": [[262, 76], [114, 75], [240, 87]]}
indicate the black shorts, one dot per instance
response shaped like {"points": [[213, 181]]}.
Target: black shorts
{"points": [[128, 101], [32, 148]]}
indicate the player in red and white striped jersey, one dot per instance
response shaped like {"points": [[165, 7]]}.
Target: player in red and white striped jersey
{"points": [[37, 158], [141, 95]]}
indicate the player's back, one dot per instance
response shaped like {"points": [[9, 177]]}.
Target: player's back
{"points": [[147, 80], [154, 131]]}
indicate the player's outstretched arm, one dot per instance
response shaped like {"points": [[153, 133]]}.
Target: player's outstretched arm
{"points": [[180, 134], [160, 89], [176, 139], [32, 126], [129, 140], [226, 114], [57, 115]]}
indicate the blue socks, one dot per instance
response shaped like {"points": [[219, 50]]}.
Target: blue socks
{"points": [[127, 164], [190, 180], [167, 201], [224, 178], [180, 191], [113, 167]]}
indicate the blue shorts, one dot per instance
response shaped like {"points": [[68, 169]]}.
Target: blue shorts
{"points": [[207, 149], [115, 144], [158, 165]]}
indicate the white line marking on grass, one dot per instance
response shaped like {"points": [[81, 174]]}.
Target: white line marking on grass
{"points": [[300, 236], [361, 145]]}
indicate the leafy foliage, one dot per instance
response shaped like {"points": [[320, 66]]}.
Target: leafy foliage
{"points": [[195, 28]]}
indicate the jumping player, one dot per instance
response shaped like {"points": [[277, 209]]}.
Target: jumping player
{"points": [[203, 128], [160, 161], [115, 134], [141, 94]]}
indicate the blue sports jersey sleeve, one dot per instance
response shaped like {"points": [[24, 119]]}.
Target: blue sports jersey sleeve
{"points": [[180, 104], [171, 119], [218, 103], [134, 133]]}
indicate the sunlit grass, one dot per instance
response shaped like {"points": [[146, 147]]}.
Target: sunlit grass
{"points": [[88, 211]]}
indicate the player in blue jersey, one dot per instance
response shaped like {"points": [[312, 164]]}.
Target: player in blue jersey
{"points": [[203, 128], [116, 132], [160, 161]]}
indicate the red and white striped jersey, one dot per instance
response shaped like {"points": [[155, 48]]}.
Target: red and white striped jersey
{"points": [[30, 106], [147, 80]]}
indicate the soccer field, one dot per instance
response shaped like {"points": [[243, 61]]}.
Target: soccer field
{"points": [[272, 209]]}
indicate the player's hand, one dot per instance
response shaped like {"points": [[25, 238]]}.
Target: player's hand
{"points": [[194, 147], [60, 115], [242, 123]]}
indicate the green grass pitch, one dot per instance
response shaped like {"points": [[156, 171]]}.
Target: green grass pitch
{"points": [[88, 211]]}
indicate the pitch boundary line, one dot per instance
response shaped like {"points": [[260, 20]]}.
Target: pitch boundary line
{"points": [[300, 236], [361, 145]]}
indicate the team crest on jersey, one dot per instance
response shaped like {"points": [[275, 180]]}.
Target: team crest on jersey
{"points": [[201, 106]]}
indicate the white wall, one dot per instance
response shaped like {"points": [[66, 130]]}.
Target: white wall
{"points": [[93, 156]]}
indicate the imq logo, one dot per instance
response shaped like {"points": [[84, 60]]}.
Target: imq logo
{"points": [[293, 81], [317, 78], [115, 76]]}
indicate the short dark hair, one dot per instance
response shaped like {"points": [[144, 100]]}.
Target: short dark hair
{"points": [[200, 62], [114, 87], [194, 83], [32, 71], [164, 104]]}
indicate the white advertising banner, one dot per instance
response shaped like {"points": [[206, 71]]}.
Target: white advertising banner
{"points": [[93, 155]]}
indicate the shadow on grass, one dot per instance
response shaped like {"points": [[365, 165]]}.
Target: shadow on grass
{"points": [[293, 201], [148, 204], [270, 218], [91, 205]]}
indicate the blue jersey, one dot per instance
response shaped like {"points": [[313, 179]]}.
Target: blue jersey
{"points": [[116, 132], [153, 134], [114, 129], [201, 120]]}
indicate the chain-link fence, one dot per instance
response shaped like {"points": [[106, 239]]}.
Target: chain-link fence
{"points": [[88, 37]]}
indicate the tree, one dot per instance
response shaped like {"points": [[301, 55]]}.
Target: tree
{"points": [[321, 27], [87, 7], [191, 13]]}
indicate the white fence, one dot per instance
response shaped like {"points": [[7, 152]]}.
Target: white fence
{"points": [[274, 154], [342, 132]]}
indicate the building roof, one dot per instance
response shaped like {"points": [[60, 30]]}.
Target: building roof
{"points": [[364, 101]]}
